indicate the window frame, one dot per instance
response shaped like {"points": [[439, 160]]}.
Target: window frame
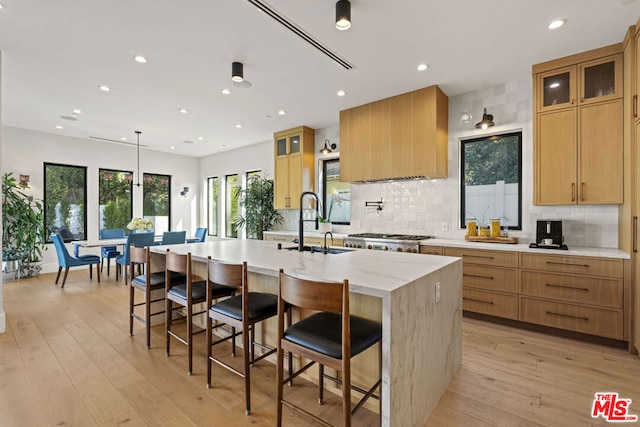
{"points": [[101, 172], [228, 222], [213, 215], [322, 184], [169, 198]]}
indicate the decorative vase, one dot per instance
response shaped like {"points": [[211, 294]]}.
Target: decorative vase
{"points": [[324, 227]]}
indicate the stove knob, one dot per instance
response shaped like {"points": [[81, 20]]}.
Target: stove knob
{"points": [[414, 250], [369, 247], [399, 249], [359, 246], [386, 248]]}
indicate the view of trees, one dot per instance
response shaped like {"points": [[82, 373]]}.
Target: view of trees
{"points": [[214, 191], [231, 205], [65, 198], [491, 160], [114, 199]]}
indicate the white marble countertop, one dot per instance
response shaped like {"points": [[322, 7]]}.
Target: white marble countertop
{"points": [[524, 247], [306, 233], [369, 272]]}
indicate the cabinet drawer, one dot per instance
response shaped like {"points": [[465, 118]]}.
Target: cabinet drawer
{"points": [[570, 264], [319, 241], [578, 289], [493, 279], [431, 250], [482, 257], [588, 320], [278, 238], [494, 304]]}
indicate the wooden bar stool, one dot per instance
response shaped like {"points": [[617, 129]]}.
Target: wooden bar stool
{"points": [[240, 312], [186, 293], [329, 337]]}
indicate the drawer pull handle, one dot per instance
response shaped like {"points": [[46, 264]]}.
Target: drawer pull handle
{"points": [[477, 256], [568, 263], [478, 276], [586, 319], [477, 300], [567, 287]]}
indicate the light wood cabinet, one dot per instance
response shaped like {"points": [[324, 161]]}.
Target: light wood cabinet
{"points": [[431, 250], [489, 281], [308, 240], [404, 136], [580, 294], [578, 141], [294, 166]]}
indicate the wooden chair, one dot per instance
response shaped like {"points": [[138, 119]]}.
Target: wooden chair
{"points": [[185, 293], [146, 283], [329, 337], [240, 312]]}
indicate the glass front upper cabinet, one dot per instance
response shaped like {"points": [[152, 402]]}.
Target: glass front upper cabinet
{"points": [[288, 145], [601, 79], [557, 89]]}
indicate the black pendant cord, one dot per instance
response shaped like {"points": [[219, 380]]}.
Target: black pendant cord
{"points": [[138, 134]]}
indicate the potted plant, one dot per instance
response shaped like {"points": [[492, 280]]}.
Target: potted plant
{"points": [[23, 230], [259, 213], [324, 224]]}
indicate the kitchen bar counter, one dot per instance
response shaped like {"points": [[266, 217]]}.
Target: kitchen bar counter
{"points": [[421, 343], [524, 247]]}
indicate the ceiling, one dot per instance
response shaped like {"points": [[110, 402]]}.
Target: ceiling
{"points": [[56, 54]]}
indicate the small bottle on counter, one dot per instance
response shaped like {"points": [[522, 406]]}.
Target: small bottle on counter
{"points": [[472, 227], [495, 227]]}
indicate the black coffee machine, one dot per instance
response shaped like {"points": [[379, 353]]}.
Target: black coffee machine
{"points": [[549, 229]]}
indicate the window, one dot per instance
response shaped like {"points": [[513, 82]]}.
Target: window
{"points": [[65, 200], [336, 195], [156, 203], [491, 179], [213, 192], [231, 205], [114, 198]]}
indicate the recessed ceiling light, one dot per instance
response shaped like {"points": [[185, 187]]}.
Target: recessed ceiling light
{"points": [[105, 88], [172, 147], [200, 138], [123, 138], [1, 6], [76, 111], [554, 85], [422, 67], [183, 110], [282, 112], [225, 91], [141, 59], [239, 126], [557, 24], [59, 127], [341, 93]]}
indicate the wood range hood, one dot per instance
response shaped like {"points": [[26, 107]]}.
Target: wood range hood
{"points": [[401, 137]]}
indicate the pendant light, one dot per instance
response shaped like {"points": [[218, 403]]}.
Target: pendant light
{"points": [[343, 15], [487, 121], [237, 72], [328, 148], [137, 132]]}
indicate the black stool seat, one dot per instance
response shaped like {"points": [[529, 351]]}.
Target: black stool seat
{"points": [[198, 290], [261, 306], [156, 279], [322, 332]]}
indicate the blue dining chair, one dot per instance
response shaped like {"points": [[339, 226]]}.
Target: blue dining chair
{"points": [[108, 252], [173, 237], [139, 240], [201, 234], [66, 261]]}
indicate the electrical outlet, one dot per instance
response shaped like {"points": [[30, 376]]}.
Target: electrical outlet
{"points": [[437, 292], [445, 227]]}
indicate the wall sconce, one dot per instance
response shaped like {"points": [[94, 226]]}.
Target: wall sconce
{"points": [[487, 121], [24, 181], [184, 191], [328, 147]]}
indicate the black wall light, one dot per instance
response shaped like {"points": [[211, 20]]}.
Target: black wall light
{"points": [[237, 72], [328, 148], [343, 15], [486, 122]]}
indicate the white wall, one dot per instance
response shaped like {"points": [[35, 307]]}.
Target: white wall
{"points": [[25, 151], [3, 320]]}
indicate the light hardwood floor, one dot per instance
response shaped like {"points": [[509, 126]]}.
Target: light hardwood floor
{"points": [[67, 359]]}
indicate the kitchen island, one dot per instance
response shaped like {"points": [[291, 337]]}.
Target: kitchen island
{"points": [[417, 298]]}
